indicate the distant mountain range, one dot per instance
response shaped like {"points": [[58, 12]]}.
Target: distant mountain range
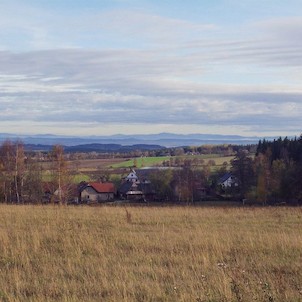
{"points": [[101, 148], [123, 142]]}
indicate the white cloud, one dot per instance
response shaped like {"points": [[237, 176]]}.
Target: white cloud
{"points": [[98, 87], [139, 68]]}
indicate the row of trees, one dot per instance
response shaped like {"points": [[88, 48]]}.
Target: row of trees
{"points": [[275, 173], [21, 178], [278, 169], [188, 183]]}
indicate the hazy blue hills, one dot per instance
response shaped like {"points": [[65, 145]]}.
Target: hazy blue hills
{"points": [[111, 148], [101, 148], [124, 142]]}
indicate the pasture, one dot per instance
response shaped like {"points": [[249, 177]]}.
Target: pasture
{"points": [[141, 162], [53, 253]]}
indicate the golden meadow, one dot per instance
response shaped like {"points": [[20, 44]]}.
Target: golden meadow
{"points": [[59, 253]]}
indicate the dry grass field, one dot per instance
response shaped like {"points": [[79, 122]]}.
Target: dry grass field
{"points": [[52, 253]]}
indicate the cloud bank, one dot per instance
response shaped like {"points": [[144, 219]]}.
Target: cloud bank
{"points": [[133, 70]]}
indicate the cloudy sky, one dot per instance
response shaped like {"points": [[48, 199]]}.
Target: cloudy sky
{"points": [[97, 67]]}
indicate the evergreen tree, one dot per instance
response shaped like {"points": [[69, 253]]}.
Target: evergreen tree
{"points": [[242, 169]]}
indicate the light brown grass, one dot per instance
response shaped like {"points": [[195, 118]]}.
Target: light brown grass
{"points": [[50, 253]]}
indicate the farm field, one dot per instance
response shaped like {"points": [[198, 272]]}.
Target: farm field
{"points": [[52, 253], [153, 161], [85, 169], [83, 165], [141, 162], [115, 163], [82, 170]]}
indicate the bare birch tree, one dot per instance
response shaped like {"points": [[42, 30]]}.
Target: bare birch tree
{"points": [[12, 170], [59, 173]]}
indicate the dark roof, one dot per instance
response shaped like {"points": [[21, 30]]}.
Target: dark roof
{"points": [[225, 177], [128, 186], [144, 187], [147, 188]]}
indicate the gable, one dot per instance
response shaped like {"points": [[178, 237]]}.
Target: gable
{"points": [[132, 176]]}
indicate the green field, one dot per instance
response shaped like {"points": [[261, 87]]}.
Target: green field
{"points": [[74, 178], [154, 161], [53, 253], [141, 162]]}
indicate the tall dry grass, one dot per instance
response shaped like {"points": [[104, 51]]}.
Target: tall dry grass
{"points": [[150, 254]]}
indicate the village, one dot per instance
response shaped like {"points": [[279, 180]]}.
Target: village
{"points": [[137, 188]]}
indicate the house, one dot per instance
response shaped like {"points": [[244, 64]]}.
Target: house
{"points": [[136, 191], [228, 180], [131, 177], [68, 193], [94, 192], [133, 189]]}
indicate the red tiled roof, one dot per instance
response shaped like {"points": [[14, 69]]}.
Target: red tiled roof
{"points": [[103, 187]]}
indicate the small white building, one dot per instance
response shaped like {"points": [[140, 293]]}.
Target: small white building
{"points": [[132, 177], [228, 180]]}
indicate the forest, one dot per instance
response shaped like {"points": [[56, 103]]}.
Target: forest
{"points": [[278, 168]]}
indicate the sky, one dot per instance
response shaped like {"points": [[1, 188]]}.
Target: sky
{"points": [[102, 67]]}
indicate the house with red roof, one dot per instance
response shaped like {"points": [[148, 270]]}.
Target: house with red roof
{"points": [[96, 192]]}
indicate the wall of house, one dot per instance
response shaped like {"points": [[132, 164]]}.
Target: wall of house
{"points": [[230, 182], [89, 195], [132, 177], [105, 197], [227, 183], [136, 196]]}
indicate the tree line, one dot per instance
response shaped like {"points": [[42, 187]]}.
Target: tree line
{"points": [[273, 174], [278, 168], [21, 178]]}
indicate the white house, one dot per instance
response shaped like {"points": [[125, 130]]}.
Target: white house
{"points": [[228, 180], [132, 177]]}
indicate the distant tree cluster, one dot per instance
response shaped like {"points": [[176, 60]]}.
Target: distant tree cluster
{"points": [[273, 176], [185, 184], [12, 167], [21, 178], [278, 167]]}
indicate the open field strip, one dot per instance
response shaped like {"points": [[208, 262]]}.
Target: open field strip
{"points": [[141, 162], [86, 166], [52, 253], [153, 161]]}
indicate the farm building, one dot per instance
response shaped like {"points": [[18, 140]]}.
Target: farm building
{"points": [[51, 193], [228, 180], [134, 189], [93, 192], [131, 177]]}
